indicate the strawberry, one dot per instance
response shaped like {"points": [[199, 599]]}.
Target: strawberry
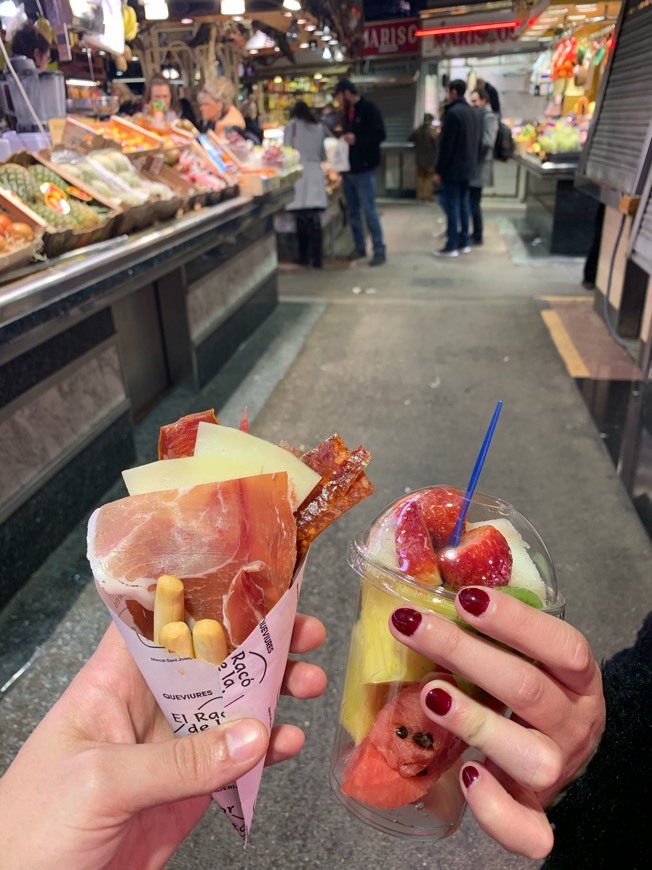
{"points": [[414, 549], [482, 558], [440, 507]]}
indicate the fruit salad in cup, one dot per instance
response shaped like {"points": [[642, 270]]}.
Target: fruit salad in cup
{"points": [[392, 766]]}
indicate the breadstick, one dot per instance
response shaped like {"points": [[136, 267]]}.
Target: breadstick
{"points": [[168, 603], [210, 641], [176, 637]]}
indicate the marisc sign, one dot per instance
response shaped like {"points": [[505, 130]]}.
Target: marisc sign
{"points": [[391, 37], [503, 40]]}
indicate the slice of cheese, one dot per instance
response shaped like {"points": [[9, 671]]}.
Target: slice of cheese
{"points": [[246, 457], [223, 442]]}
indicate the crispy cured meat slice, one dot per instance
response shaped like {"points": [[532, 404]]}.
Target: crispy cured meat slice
{"points": [[343, 484], [178, 439]]}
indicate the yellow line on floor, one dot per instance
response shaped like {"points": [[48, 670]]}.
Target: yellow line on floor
{"points": [[562, 299], [564, 344]]}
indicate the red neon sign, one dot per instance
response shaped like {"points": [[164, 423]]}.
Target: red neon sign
{"points": [[466, 28]]}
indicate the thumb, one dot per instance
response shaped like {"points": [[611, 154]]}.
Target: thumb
{"points": [[148, 774]]}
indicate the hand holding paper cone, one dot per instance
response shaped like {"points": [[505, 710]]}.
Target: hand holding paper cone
{"points": [[231, 517], [126, 795]]}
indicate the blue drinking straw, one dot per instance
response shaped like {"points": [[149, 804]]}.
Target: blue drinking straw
{"points": [[475, 476]]}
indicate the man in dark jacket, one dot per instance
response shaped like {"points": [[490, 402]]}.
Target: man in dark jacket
{"points": [[364, 130], [459, 151]]}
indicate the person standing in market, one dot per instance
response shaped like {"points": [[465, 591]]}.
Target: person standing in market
{"points": [[217, 105], [29, 42], [306, 135], [492, 93], [425, 154], [459, 149], [162, 102], [484, 175], [364, 130]]}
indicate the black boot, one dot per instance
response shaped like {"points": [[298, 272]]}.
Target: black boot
{"points": [[316, 240], [303, 238]]}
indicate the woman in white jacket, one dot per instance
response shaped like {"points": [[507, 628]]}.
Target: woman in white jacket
{"points": [[306, 134]]}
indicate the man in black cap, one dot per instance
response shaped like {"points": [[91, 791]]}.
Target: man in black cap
{"points": [[364, 130]]}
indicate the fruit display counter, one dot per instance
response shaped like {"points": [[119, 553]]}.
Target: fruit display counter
{"points": [[556, 211], [90, 340]]}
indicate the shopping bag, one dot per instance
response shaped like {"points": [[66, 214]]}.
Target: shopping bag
{"points": [[337, 154]]}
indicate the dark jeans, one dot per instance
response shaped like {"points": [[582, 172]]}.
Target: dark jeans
{"points": [[456, 203], [360, 195], [475, 195]]}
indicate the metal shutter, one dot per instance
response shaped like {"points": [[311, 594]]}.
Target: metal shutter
{"points": [[397, 108], [617, 147], [392, 86], [641, 248]]}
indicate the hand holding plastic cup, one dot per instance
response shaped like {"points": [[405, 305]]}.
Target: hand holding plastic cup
{"points": [[392, 767]]}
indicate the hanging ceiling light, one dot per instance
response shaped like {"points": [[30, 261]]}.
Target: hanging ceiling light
{"points": [[292, 5], [156, 10], [326, 33], [8, 9], [232, 7], [327, 55], [259, 40]]}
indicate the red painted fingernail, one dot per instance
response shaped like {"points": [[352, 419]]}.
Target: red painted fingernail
{"points": [[438, 701], [469, 775], [406, 620], [475, 601]]}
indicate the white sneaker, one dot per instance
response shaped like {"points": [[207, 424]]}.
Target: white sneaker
{"points": [[466, 250], [445, 253]]}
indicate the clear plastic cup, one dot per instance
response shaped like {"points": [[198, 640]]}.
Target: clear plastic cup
{"points": [[392, 767]]}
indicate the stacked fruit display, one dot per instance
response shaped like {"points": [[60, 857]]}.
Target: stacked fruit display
{"points": [[18, 243], [111, 175], [198, 170], [13, 234], [131, 139], [51, 198], [563, 138]]}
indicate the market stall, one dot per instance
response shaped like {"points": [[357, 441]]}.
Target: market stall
{"points": [[136, 255], [615, 165], [89, 341], [556, 211]]}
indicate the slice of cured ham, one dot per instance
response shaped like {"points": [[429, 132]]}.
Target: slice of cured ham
{"points": [[233, 544]]}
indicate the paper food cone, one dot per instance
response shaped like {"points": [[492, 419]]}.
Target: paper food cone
{"points": [[195, 695]]}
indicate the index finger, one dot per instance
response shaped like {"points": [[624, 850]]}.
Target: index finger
{"points": [[558, 648], [308, 634]]}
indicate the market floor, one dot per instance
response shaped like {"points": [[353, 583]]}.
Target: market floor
{"points": [[409, 360]]}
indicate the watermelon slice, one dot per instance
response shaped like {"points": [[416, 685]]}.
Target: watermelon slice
{"points": [[370, 780], [403, 755]]}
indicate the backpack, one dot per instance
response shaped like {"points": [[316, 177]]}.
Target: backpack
{"points": [[504, 147]]}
